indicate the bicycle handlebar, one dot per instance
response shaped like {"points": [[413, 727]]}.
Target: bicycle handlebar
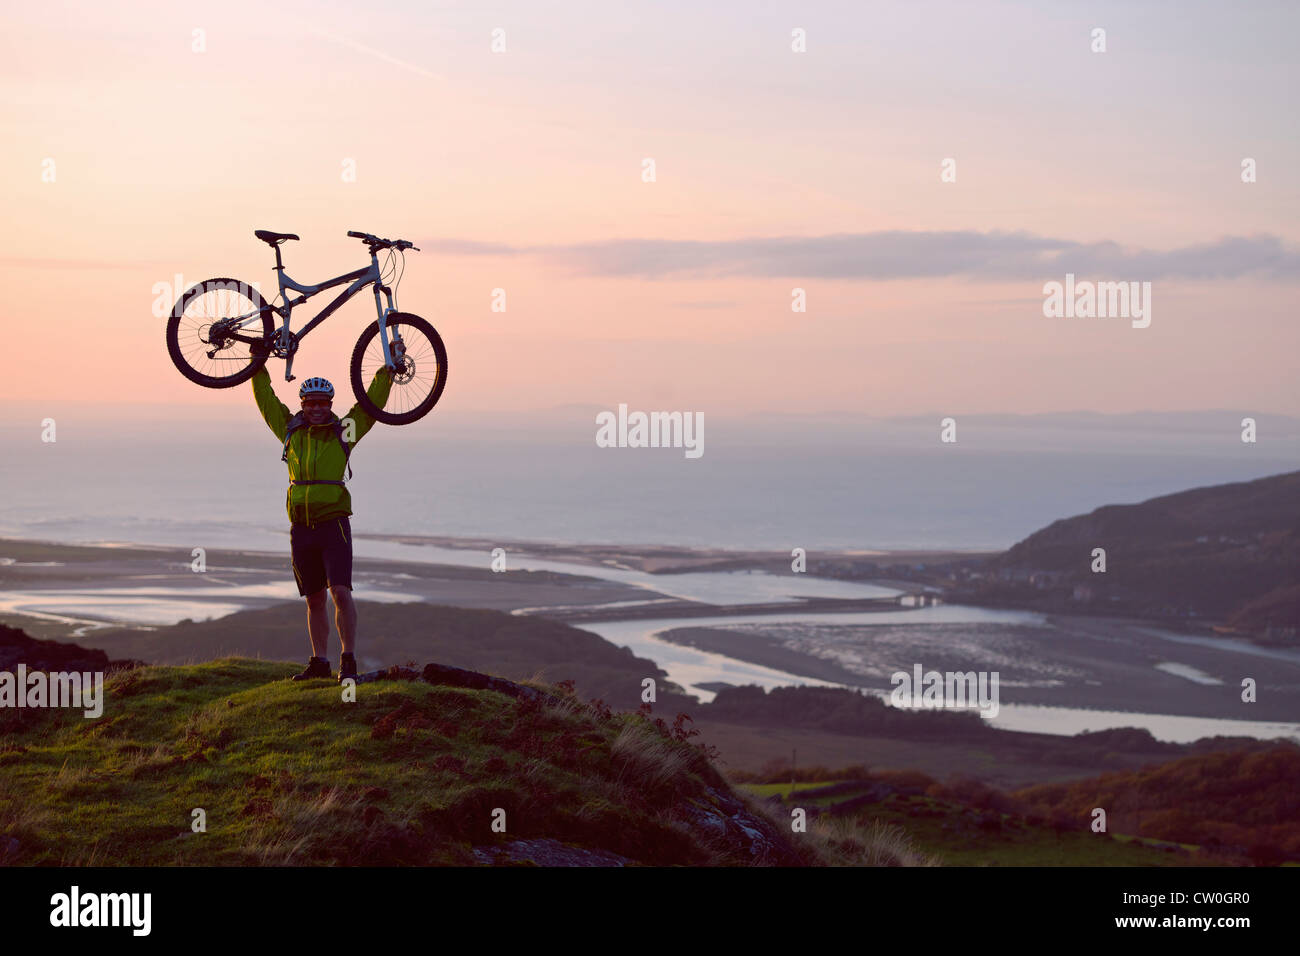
{"points": [[376, 243]]}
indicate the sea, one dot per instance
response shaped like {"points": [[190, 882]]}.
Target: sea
{"points": [[879, 485]]}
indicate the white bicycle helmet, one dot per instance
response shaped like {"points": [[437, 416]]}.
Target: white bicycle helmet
{"points": [[316, 386]]}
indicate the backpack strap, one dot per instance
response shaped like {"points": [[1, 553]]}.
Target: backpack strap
{"points": [[347, 450], [297, 422], [291, 426]]}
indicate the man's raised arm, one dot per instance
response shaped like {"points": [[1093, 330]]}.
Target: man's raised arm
{"points": [[274, 411], [377, 393]]}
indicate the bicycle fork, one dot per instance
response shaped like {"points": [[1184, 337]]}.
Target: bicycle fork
{"points": [[383, 324], [384, 346]]}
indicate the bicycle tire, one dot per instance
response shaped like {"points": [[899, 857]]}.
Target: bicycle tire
{"points": [[358, 354], [174, 348]]}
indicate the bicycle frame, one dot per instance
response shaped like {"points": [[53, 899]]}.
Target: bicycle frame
{"points": [[360, 278]]}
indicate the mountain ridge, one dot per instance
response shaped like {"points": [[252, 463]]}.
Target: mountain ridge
{"points": [[1226, 552]]}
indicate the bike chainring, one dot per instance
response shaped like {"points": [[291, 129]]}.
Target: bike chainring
{"points": [[279, 348]]}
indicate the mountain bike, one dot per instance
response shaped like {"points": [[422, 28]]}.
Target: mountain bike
{"points": [[215, 325]]}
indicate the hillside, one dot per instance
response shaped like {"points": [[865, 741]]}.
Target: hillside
{"points": [[409, 774], [17, 646], [1247, 803], [413, 771], [1226, 552], [969, 828], [1211, 809]]}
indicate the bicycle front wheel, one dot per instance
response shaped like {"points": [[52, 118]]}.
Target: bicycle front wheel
{"points": [[421, 368], [203, 333]]}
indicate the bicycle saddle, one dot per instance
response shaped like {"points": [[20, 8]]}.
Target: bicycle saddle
{"points": [[267, 235]]}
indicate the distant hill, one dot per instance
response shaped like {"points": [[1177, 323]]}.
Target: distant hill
{"points": [[16, 646], [1226, 553]]}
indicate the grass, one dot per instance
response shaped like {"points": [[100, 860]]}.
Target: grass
{"points": [[765, 790], [286, 774], [282, 773], [940, 831]]}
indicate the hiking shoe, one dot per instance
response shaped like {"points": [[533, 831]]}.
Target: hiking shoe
{"points": [[347, 668], [316, 667]]}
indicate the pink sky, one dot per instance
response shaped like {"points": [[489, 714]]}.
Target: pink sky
{"points": [[166, 159]]}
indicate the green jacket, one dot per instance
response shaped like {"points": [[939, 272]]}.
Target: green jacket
{"points": [[314, 452]]}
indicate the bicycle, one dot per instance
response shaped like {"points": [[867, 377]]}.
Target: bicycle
{"points": [[221, 328]]}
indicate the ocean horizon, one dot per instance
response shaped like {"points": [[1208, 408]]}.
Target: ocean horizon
{"points": [[889, 486]]}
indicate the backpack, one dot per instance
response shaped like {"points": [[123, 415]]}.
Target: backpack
{"points": [[299, 421]]}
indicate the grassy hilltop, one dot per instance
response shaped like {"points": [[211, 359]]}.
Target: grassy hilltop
{"points": [[409, 774]]}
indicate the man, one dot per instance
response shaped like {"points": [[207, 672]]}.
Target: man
{"points": [[317, 445]]}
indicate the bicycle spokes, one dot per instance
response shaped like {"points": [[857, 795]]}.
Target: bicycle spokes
{"points": [[415, 362], [209, 324]]}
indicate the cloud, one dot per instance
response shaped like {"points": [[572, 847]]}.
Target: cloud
{"points": [[48, 262], [371, 51], [909, 255], [468, 247]]}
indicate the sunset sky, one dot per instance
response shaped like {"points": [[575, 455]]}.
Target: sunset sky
{"points": [[522, 170]]}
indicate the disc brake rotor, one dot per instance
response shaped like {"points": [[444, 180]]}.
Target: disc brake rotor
{"points": [[405, 370]]}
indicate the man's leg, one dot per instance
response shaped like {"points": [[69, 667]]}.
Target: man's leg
{"points": [[309, 572], [345, 616], [318, 624], [337, 555]]}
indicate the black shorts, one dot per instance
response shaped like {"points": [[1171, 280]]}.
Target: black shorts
{"points": [[322, 556]]}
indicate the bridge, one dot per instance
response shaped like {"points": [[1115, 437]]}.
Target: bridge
{"points": [[688, 609]]}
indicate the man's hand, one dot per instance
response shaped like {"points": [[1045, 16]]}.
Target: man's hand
{"points": [[259, 349]]}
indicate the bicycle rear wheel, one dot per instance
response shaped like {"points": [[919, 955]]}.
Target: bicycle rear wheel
{"points": [[421, 375], [204, 320]]}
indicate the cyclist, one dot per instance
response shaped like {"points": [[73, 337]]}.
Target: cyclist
{"points": [[317, 445]]}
